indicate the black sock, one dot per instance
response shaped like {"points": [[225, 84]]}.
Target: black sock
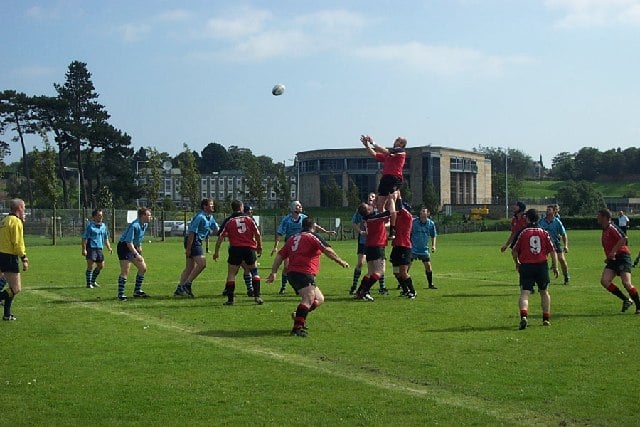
{"points": [[231, 290], [430, 278], [7, 306], [408, 283]]}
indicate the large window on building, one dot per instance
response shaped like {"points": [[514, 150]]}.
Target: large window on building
{"points": [[364, 163], [334, 165]]}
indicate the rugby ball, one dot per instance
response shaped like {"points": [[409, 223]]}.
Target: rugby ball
{"points": [[278, 90]]}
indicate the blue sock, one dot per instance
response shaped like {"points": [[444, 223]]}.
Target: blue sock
{"points": [[122, 281], [138, 285]]}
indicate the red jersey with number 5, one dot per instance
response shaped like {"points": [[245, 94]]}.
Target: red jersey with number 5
{"points": [[304, 250], [241, 231], [533, 246]]}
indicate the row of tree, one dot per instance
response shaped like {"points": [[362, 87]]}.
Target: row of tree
{"points": [[88, 149]]}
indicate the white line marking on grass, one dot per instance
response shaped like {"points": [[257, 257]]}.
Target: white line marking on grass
{"points": [[503, 412]]}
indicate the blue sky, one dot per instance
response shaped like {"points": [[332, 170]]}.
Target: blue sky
{"points": [[541, 76]]}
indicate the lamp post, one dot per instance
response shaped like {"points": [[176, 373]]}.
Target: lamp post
{"points": [[69, 169], [506, 185], [297, 162], [138, 177]]}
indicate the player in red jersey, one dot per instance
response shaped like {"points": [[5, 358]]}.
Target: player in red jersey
{"points": [[374, 246], [518, 223], [401, 252], [392, 160], [618, 261], [245, 244], [530, 251], [303, 251]]}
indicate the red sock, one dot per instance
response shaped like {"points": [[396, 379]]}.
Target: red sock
{"points": [[524, 313]]}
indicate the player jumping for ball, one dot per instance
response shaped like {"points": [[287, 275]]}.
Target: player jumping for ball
{"points": [[392, 160]]}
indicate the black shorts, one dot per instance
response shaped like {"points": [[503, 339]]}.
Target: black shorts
{"points": [[9, 263], [301, 280], [622, 264], [534, 274], [400, 256], [95, 255], [389, 184], [360, 248], [124, 254], [196, 247], [237, 254], [421, 257], [374, 252]]}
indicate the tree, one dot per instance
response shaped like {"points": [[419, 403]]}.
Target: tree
{"points": [[588, 163], [580, 198], [16, 114], [353, 194], [190, 181], [518, 164], [331, 193], [563, 166], [213, 158], [281, 186], [84, 114], [431, 197], [46, 177], [153, 181]]}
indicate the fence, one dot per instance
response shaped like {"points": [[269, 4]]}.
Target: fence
{"points": [[69, 224]]}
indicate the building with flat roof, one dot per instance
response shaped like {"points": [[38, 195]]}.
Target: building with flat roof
{"points": [[460, 177]]}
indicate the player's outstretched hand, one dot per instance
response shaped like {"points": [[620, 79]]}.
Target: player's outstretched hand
{"points": [[271, 278]]}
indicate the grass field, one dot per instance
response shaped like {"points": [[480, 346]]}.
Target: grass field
{"points": [[453, 356]]}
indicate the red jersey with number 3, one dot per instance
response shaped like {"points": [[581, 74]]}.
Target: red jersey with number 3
{"points": [[533, 246], [304, 250], [610, 237], [241, 231]]}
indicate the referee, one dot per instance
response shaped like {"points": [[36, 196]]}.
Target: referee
{"points": [[11, 249]]}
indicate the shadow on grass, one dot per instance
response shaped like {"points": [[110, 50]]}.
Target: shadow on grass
{"points": [[510, 294], [474, 328]]}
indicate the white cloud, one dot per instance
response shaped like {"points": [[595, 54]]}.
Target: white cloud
{"points": [[442, 60], [596, 13], [248, 23], [175, 15], [134, 32], [333, 21]]}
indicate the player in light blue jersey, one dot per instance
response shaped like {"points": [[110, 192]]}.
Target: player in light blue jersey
{"points": [[422, 230], [552, 224], [201, 226], [290, 225], [130, 251], [94, 238]]}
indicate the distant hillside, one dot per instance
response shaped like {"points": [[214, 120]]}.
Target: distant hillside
{"points": [[541, 189]]}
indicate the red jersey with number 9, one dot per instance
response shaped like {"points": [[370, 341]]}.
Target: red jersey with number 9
{"points": [[304, 250], [533, 246]]}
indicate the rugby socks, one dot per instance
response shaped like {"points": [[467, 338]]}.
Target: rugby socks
{"points": [[138, 286], [381, 280], [255, 283], [7, 293], [247, 280], [283, 286], [408, 284], [403, 285], [314, 305], [3, 281], [524, 313], [230, 287], [617, 292], [356, 277], [96, 273], [633, 293], [88, 275], [122, 281], [187, 287], [7, 305], [364, 284], [372, 281], [545, 317], [430, 277], [301, 316]]}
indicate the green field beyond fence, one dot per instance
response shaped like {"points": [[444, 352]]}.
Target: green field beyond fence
{"points": [[452, 356]]}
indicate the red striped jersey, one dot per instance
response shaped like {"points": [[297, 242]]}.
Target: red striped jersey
{"points": [[610, 237]]}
